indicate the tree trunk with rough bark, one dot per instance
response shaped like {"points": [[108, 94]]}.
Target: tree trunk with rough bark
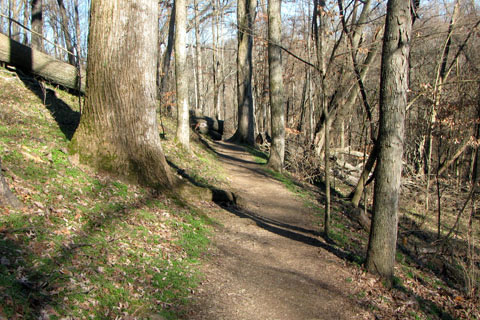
{"points": [[393, 102], [118, 130], [277, 107], [245, 19]]}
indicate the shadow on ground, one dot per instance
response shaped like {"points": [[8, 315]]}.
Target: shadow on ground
{"points": [[312, 237], [66, 118], [34, 286]]}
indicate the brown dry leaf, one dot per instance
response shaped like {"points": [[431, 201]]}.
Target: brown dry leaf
{"points": [[31, 156], [63, 231]]}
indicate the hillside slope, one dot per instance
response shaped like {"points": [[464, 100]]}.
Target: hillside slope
{"points": [[85, 244]]}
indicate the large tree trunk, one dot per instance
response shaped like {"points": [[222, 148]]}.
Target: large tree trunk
{"points": [[393, 102], [118, 130], [277, 107], [245, 19], [181, 77], [41, 64]]}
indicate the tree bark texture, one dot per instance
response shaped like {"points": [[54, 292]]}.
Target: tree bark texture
{"points": [[41, 64], [37, 24], [393, 102], [181, 77], [245, 19], [277, 107], [118, 130]]}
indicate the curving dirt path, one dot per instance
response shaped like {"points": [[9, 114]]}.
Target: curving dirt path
{"points": [[267, 261]]}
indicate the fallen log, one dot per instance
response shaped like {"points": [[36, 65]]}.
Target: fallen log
{"points": [[349, 151], [32, 61]]}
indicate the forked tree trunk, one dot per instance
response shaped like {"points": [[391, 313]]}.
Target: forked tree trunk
{"points": [[393, 102], [277, 107], [245, 19], [118, 130], [181, 77], [319, 30]]}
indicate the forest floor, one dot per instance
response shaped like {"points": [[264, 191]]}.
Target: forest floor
{"points": [[267, 259]]}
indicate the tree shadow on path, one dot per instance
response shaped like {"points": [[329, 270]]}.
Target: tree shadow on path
{"points": [[306, 236], [292, 232]]}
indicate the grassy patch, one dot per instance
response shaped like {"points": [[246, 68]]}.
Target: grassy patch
{"points": [[199, 165], [259, 156], [86, 245]]}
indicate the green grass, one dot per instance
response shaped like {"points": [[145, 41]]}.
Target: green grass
{"points": [[259, 156], [88, 245], [199, 165]]}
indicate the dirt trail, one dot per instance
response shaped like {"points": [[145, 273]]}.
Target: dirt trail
{"points": [[268, 262]]}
